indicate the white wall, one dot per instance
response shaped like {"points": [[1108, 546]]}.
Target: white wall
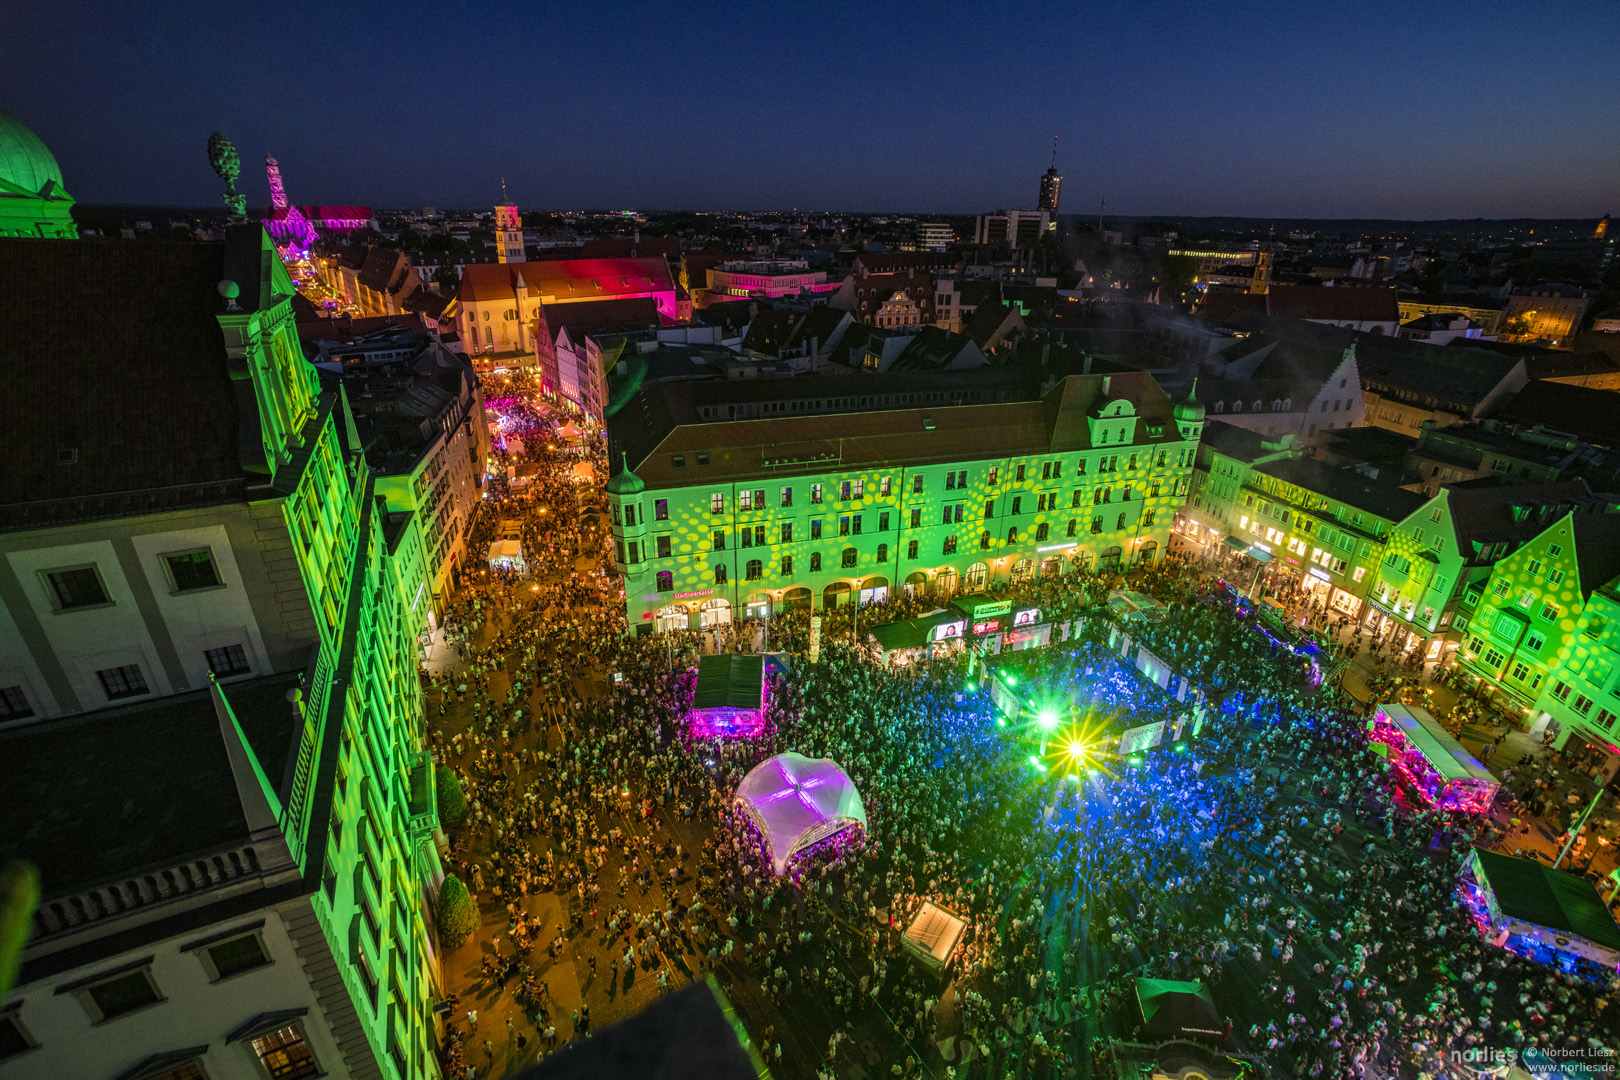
{"points": [[195, 1012]]}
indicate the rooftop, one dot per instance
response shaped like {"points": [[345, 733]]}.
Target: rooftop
{"points": [[97, 796], [1586, 413], [125, 386]]}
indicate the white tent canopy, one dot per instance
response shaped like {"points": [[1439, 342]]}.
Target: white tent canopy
{"points": [[507, 555], [933, 935], [797, 801]]}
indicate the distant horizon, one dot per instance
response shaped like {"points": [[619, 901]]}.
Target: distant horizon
{"points": [[1345, 112]]}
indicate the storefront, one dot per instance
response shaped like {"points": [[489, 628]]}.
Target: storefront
{"points": [[716, 612]]}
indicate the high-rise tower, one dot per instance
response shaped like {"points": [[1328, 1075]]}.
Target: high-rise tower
{"points": [[509, 229], [1051, 182]]}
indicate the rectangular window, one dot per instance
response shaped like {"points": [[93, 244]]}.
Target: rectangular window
{"points": [[678, 460], [703, 459], [787, 532], [660, 509], [664, 551], [14, 704], [192, 570], [237, 955], [815, 562], [285, 1054], [717, 503], [815, 529], [123, 994], [885, 486], [995, 472], [844, 490], [227, 660], [883, 521], [815, 493], [1549, 611], [917, 484], [916, 519], [843, 525], [76, 588], [950, 481], [1017, 503], [1041, 531], [849, 557], [787, 566], [1020, 474], [787, 496], [745, 501], [719, 540], [122, 682], [911, 550], [1583, 704]]}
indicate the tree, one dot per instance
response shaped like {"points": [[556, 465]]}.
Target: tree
{"points": [[452, 800], [446, 278], [456, 911]]}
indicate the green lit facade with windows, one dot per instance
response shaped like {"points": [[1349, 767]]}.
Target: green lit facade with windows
{"points": [[1319, 528], [713, 521], [1540, 626]]}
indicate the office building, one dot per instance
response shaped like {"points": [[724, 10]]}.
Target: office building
{"points": [[1013, 228]]}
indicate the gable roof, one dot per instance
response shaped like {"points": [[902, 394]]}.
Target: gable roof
{"points": [[1597, 549], [565, 280], [1385, 498], [632, 247], [933, 349], [1486, 514]]}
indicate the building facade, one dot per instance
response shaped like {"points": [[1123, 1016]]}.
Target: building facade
{"points": [[509, 234], [209, 625], [1529, 621], [1013, 228], [769, 278], [843, 508], [1310, 526]]}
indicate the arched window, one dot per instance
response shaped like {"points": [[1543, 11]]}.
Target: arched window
{"points": [[1012, 535], [720, 574], [666, 581], [755, 569], [849, 557], [1121, 523], [911, 550], [883, 553]]}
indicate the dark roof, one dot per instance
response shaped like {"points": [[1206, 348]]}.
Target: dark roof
{"points": [[379, 270], [603, 316], [1313, 302], [345, 329], [1377, 445], [1485, 513], [729, 681], [632, 247], [1592, 415], [1597, 549], [931, 349], [1385, 498], [986, 320], [1534, 893], [769, 330], [1233, 441], [877, 262], [649, 431], [682, 1035], [113, 351]]}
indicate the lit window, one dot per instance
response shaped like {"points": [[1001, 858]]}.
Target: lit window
{"points": [[286, 1055]]}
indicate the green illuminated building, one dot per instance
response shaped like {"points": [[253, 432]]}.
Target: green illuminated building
{"points": [[211, 732], [1540, 634], [720, 518], [32, 199], [1314, 526]]}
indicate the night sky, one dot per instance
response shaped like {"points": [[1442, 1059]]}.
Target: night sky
{"points": [[1358, 109]]}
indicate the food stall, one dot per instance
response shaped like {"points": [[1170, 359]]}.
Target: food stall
{"points": [[1549, 916], [1430, 762], [729, 697], [933, 936]]}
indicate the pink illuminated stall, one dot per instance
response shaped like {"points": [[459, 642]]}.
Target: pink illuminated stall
{"points": [[729, 697], [1431, 762]]}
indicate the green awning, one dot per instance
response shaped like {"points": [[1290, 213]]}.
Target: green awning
{"points": [[1236, 543], [1535, 893], [729, 681]]}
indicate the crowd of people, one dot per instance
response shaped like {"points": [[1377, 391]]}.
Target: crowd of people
{"points": [[1270, 858]]}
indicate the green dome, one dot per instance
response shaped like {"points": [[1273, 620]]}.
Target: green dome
{"points": [[1191, 410], [24, 160], [625, 482]]}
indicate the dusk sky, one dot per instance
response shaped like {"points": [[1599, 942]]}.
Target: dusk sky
{"points": [[1344, 110]]}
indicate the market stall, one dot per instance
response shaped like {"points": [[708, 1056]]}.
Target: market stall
{"points": [[1429, 761], [508, 555], [729, 698], [1547, 915], [796, 802]]}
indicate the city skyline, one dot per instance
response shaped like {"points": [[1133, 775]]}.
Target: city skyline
{"points": [[1169, 115]]}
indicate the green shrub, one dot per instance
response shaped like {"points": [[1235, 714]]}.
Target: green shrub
{"points": [[457, 912], [452, 800]]}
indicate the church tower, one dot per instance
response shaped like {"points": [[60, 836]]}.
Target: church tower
{"points": [[508, 230]]}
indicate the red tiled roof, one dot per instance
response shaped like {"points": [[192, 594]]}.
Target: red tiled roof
{"points": [[566, 280]]}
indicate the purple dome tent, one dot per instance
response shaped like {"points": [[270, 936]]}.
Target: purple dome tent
{"points": [[795, 801]]}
